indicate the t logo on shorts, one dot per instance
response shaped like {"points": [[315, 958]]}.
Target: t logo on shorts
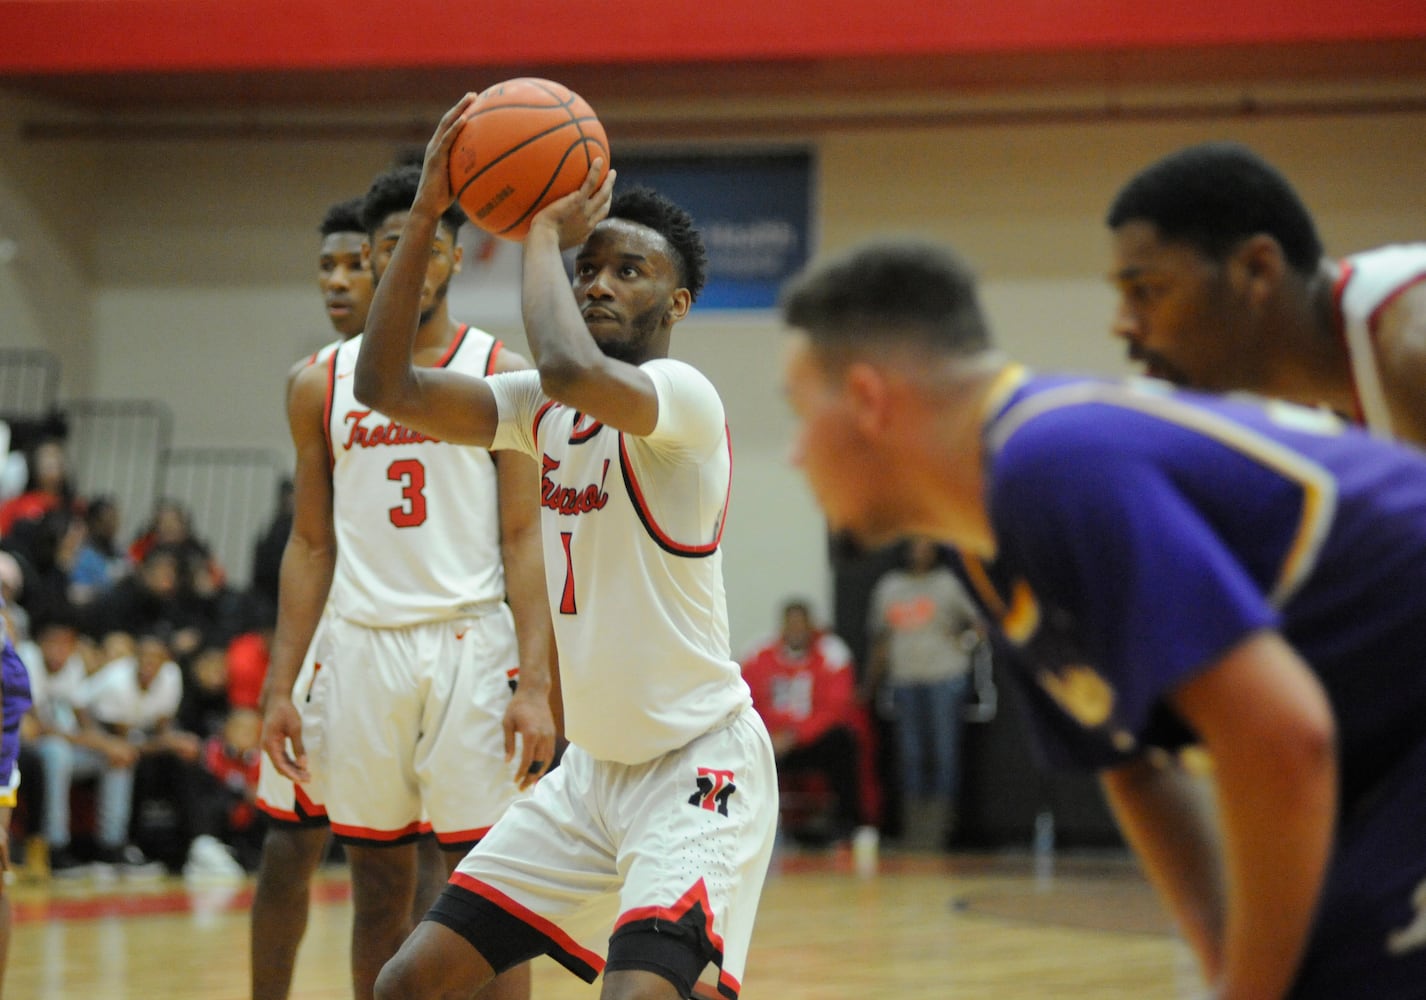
{"points": [[714, 789]]}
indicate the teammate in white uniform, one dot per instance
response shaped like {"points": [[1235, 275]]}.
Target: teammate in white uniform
{"points": [[345, 281], [658, 824], [1224, 285], [297, 828], [420, 714]]}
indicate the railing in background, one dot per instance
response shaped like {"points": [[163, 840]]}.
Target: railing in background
{"points": [[29, 383], [116, 448], [231, 494]]}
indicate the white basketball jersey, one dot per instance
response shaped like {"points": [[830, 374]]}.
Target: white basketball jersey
{"points": [[417, 520], [324, 352], [1367, 283], [631, 529]]}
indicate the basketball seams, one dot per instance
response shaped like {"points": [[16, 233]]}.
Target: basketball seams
{"points": [[509, 106], [512, 150], [554, 176], [534, 161]]}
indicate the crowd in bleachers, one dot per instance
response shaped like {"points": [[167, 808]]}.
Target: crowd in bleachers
{"points": [[141, 750]]}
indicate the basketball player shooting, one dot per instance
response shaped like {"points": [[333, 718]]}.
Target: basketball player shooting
{"points": [[658, 823]]}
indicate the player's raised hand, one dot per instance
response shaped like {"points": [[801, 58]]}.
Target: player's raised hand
{"points": [[281, 726], [435, 194], [576, 214]]}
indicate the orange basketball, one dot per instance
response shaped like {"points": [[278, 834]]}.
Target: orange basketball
{"points": [[528, 142]]}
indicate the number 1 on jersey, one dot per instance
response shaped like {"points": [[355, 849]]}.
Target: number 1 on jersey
{"points": [[412, 476], [567, 602]]}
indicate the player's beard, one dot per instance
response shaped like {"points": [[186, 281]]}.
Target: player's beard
{"points": [[436, 300], [634, 349]]}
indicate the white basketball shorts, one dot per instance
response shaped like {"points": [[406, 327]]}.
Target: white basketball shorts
{"points": [[277, 796], [668, 855], [403, 728]]}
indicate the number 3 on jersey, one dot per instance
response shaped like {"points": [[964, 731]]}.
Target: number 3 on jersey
{"points": [[411, 474]]}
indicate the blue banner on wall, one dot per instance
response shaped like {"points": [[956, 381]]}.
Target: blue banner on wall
{"points": [[753, 209]]}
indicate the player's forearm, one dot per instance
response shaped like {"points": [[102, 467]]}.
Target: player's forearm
{"points": [[559, 340], [304, 582], [522, 555], [529, 602], [1166, 816], [385, 378], [1277, 830], [1269, 729]]}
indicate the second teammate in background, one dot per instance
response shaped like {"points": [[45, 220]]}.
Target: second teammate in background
{"points": [[422, 706]]}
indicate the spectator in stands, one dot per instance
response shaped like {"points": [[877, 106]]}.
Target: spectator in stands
{"points": [[72, 746], [54, 659], [222, 800], [248, 658], [135, 700], [48, 487], [924, 628], [100, 562], [172, 526], [267, 554], [46, 548], [154, 599], [803, 685], [205, 706], [202, 579]]}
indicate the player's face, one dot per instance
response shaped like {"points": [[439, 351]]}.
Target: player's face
{"points": [[345, 282], [153, 654], [1177, 311], [626, 286], [796, 629], [57, 644], [442, 265], [841, 464]]}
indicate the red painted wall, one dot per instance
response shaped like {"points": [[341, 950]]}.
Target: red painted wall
{"points": [[73, 36]]}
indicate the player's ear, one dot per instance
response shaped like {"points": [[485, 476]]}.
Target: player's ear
{"points": [[457, 254], [366, 252], [679, 304], [1261, 266], [866, 390]]}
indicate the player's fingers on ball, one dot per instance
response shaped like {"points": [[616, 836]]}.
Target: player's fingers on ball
{"points": [[594, 176], [455, 111]]}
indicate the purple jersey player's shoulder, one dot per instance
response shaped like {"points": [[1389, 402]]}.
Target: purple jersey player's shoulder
{"points": [[1143, 532]]}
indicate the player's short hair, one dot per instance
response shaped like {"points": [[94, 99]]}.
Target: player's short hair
{"points": [[1214, 195], [906, 290], [647, 207], [394, 191], [343, 217], [797, 604]]}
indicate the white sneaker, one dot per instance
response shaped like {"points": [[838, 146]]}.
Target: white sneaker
{"points": [[865, 844], [130, 862], [208, 858]]}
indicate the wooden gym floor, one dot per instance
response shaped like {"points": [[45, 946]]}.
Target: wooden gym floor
{"points": [[965, 927]]}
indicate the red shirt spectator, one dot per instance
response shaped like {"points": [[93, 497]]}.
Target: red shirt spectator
{"points": [[803, 686], [248, 656]]}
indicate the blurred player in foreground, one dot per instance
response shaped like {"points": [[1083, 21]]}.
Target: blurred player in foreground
{"points": [[1163, 568]]}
